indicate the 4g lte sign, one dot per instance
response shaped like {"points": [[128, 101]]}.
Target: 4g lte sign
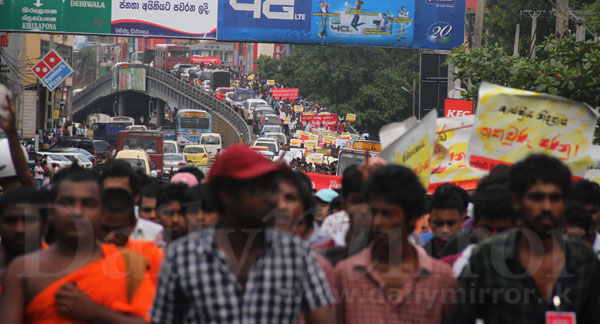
{"points": [[286, 13], [457, 108]]}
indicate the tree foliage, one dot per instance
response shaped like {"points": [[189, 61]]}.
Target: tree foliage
{"points": [[568, 69], [361, 80]]}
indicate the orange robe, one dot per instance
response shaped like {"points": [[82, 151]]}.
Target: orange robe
{"points": [[153, 254], [105, 281]]}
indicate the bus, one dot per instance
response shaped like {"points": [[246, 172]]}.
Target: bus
{"points": [[167, 55], [128, 121], [355, 153], [107, 131], [150, 142], [191, 123]]}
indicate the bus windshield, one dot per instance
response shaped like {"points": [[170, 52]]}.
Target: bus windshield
{"points": [[179, 53], [193, 123], [211, 140], [348, 158], [144, 144]]}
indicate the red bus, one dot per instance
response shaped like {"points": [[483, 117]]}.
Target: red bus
{"points": [[167, 55], [150, 142]]}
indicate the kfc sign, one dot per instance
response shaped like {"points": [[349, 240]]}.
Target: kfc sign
{"points": [[457, 108]]}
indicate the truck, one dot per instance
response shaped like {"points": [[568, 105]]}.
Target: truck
{"points": [[219, 79], [97, 118]]}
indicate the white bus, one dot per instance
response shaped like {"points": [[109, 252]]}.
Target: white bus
{"points": [[123, 120]]}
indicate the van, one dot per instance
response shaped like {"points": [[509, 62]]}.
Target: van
{"points": [[137, 159], [268, 142], [248, 108], [212, 142], [170, 147]]}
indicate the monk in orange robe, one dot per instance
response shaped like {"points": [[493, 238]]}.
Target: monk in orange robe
{"points": [[119, 224], [77, 279]]}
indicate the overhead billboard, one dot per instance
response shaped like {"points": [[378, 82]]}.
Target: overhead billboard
{"points": [[430, 24], [186, 19]]}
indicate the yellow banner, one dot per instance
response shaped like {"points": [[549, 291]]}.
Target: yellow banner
{"points": [[310, 145], [511, 124], [270, 82], [295, 142], [298, 108], [287, 120], [251, 77], [350, 117]]}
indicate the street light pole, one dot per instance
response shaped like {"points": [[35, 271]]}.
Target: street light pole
{"points": [[414, 93]]}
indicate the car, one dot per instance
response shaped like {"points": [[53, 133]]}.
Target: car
{"points": [[221, 91], [212, 142], [271, 129], [170, 147], [179, 68], [280, 137], [78, 158], [136, 128], [196, 154], [76, 141], [169, 133], [137, 159], [205, 85], [185, 74], [75, 150], [54, 158], [267, 119], [103, 150], [258, 114], [172, 162], [268, 154], [229, 98], [248, 108], [268, 142]]}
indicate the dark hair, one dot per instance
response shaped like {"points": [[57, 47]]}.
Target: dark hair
{"points": [[493, 202], [150, 190], [74, 173], [498, 175], [398, 185], [585, 192], [26, 195], [172, 191], [577, 215], [193, 170], [539, 168], [352, 181], [447, 188], [119, 200], [298, 180], [200, 198], [121, 169], [446, 198]]}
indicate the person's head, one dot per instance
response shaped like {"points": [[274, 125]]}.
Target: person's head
{"points": [[384, 15], [539, 185], [200, 210], [492, 212], [397, 201], [147, 202], [119, 174], [23, 213], [588, 194], [38, 163], [76, 211], [294, 211], [322, 3], [324, 197], [446, 210], [120, 216], [244, 186], [578, 221], [169, 202], [193, 170], [352, 187]]}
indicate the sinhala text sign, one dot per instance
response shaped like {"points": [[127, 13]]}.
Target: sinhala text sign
{"points": [[429, 24], [187, 19]]}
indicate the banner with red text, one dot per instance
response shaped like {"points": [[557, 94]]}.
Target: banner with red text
{"points": [[325, 181], [511, 124], [285, 93], [329, 122], [206, 60]]}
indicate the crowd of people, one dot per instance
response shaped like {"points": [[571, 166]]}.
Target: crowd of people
{"points": [[251, 242]]}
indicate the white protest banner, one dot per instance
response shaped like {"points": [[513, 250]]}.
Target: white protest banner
{"points": [[413, 148], [510, 124]]}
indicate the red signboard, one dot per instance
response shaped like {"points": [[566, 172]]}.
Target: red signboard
{"points": [[41, 69], [286, 93], [3, 39], [457, 108], [206, 60], [329, 122], [324, 181]]}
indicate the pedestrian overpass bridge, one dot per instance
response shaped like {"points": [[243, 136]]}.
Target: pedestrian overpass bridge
{"points": [[105, 95]]}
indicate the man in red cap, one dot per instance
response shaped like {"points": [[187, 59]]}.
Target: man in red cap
{"points": [[240, 271]]}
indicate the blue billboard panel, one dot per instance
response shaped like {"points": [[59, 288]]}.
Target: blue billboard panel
{"points": [[428, 24]]}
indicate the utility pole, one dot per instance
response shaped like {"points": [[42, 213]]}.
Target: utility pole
{"points": [[97, 57], [562, 19], [414, 93], [516, 45], [51, 93], [479, 12], [580, 33], [534, 15]]}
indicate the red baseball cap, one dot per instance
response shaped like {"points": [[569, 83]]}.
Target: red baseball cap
{"points": [[241, 163]]}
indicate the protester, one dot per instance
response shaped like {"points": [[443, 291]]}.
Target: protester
{"points": [[446, 212], [277, 279], [394, 276], [38, 174], [22, 224], [170, 202], [542, 271], [77, 279], [147, 203], [324, 198], [587, 193], [578, 221], [200, 211]]}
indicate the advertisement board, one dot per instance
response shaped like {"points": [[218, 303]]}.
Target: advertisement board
{"points": [[457, 108], [432, 24], [188, 19], [130, 79]]}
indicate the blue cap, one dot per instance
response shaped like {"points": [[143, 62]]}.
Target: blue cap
{"points": [[326, 195]]}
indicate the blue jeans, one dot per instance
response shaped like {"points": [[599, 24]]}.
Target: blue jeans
{"points": [[39, 183]]}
